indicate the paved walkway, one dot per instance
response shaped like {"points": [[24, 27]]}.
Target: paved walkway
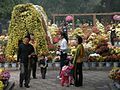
{"points": [[93, 80]]}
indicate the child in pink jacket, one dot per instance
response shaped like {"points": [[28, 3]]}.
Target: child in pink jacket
{"points": [[65, 73]]}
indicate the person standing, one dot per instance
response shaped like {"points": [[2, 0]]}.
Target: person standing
{"points": [[33, 58], [65, 31], [24, 53], [77, 62], [33, 65], [112, 35], [43, 66], [63, 49], [65, 73]]}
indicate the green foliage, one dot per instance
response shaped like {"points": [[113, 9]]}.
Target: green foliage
{"points": [[61, 6]]}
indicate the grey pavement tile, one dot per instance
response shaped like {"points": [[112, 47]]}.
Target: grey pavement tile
{"points": [[93, 80]]}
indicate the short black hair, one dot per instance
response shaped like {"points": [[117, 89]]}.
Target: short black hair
{"points": [[80, 40], [27, 37]]}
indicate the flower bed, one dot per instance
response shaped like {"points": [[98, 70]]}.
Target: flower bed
{"points": [[114, 74], [4, 78]]}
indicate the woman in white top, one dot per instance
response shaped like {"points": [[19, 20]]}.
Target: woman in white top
{"points": [[63, 49]]}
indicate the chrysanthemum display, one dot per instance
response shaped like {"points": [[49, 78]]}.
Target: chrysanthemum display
{"points": [[27, 18]]}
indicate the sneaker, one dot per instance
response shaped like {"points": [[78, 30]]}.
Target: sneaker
{"points": [[58, 76], [71, 84]]}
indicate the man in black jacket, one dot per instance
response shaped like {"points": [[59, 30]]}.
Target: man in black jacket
{"points": [[113, 35], [24, 53]]}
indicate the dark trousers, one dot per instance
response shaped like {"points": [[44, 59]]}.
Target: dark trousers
{"points": [[24, 74], [78, 75], [112, 41], [63, 57], [43, 72], [33, 69]]}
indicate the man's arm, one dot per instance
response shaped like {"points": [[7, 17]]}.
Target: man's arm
{"points": [[18, 53]]}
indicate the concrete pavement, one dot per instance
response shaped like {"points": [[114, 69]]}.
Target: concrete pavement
{"points": [[93, 80]]}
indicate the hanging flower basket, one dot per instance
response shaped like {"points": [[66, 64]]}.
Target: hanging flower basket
{"points": [[116, 17], [108, 64], [69, 18], [115, 64]]}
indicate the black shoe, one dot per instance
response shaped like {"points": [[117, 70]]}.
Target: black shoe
{"points": [[34, 78], [71, 84], [27, 86], [78, 85], [43, 77], [21, 85]]}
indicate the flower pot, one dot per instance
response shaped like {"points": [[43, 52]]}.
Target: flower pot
{"points": [[6, 65], [93, 64], [108, 64], [14, 65], [86, 65], [115, 64], [101, 64], [0, 65]]}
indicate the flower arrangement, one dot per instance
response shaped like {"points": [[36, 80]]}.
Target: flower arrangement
{"points": [[69, 18], [102, 48], [116, 17], [2, 58], [113, 58], [114, 74], [108, 58], [27, 18], [4, 75], [11, 58], [51, 47]]}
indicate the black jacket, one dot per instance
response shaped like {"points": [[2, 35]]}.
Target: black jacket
{"points": [[24, 51]]}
